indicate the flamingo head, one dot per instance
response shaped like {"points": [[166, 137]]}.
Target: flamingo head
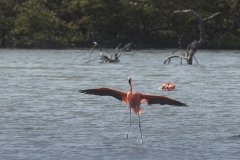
{"points": [[130, 80]]}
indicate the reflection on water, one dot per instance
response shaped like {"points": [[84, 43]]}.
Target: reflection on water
{"points": [[43, 116]]}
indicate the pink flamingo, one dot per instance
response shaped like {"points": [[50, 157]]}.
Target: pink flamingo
{"points": [[168, 86], [133, 98]]}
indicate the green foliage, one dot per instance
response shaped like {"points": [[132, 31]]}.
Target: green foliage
{"points": [[35, 25], [147, 23], [7, 19]]}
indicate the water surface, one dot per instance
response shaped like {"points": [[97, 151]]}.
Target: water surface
{"points": [[43, 116]]}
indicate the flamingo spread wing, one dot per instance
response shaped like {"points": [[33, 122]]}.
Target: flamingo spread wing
{"points": [[154, 99], [134, 99], [104, 91]]}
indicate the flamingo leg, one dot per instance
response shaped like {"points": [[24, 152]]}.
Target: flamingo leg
{"points": [[140, 127], [129, 121]]}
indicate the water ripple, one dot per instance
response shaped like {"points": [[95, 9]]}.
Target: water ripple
{"points": [[44, 117]]}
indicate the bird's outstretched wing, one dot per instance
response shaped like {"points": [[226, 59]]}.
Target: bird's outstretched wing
{"points": [[104, 91], [154, 99]]}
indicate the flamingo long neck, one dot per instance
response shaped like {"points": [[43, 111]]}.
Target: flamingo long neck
{"points": [[130, 89]]}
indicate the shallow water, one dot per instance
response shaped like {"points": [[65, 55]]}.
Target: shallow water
{"points": [[43, 116]]}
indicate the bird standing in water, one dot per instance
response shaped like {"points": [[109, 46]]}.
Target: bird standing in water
{"points": [[133, 98], [167, 86]]}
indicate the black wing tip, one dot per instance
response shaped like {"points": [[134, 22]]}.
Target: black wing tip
{"points": [[185, 105], [81, 91], [178, 103]]}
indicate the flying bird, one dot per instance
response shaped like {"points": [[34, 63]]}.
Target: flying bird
{"points": [[133, 98]]}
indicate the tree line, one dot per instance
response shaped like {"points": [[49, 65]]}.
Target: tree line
{"points": [[146, 23]]}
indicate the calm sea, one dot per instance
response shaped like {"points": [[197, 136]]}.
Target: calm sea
{"points": [[42, 115]]}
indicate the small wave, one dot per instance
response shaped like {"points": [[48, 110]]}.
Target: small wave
{"points": [[235, 137]]}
